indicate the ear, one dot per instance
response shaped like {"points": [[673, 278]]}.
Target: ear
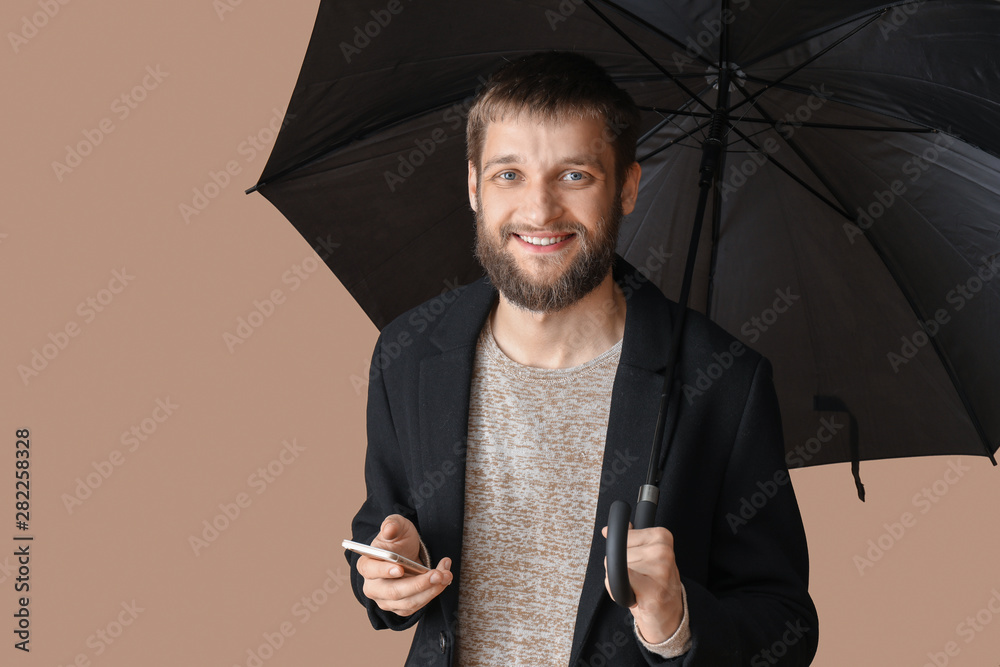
{"points": [[630, 188], [472, 185]]}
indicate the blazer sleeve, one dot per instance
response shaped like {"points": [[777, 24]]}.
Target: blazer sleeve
{"points": [[387, 482], [755, 608]]}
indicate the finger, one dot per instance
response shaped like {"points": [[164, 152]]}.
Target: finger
{"points": [[375, 568], [444, 575], [655, 535], [604, 531], [409, 605], [651, 552], [652, 569], [410, 592]]}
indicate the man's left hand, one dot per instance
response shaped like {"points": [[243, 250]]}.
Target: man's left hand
{"points": [[653, 574]]}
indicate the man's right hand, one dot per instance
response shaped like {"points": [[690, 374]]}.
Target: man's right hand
{"points": [[387, 585]]}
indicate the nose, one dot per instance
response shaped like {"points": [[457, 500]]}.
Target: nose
{"points": [[540, 205]]}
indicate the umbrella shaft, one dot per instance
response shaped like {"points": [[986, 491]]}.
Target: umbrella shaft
{"points": [[709, 169]]}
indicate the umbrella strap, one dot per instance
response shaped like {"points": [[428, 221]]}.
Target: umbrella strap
{"points": [[834, 404]]}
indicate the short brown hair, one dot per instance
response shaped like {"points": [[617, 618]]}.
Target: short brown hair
{"points": [[553, 85]]}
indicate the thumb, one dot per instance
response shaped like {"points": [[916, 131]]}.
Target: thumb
{"points": [[393, 528]]}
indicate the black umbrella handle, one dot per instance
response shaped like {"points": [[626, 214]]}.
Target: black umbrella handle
{"points": [[617, 544]]}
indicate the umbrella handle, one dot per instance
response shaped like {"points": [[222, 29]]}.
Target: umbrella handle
{"points": [[617, 543]]}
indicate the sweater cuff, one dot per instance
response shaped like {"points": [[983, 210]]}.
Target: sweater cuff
{"points": [[425, 556], [678, 643]]}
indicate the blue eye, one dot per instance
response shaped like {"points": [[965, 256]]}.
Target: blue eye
{"points": [[502, 173], [575, 173]]}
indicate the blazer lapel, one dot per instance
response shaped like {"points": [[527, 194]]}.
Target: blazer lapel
{"points": [[635, 403], [443, 417]]}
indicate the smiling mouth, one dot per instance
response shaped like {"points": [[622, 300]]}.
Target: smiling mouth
{"points": [[543, 240]]}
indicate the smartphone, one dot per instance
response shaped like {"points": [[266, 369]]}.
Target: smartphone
{"points": [[409, 566]]}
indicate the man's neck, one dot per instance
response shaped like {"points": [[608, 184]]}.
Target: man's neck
{"points": [[566, 338]]}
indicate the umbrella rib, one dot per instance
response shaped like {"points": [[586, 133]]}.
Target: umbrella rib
{"points": [[677, 112], [674, 143], [326, 151], [795, 178], [687, 134], [917, 311], [942, 355], [807, 62], [824, 126], [656, 128], [670, 38], [924, 128], [674, 123], [821, 30], [645, 55], [798, 151]]}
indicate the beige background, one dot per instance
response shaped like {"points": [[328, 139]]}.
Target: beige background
{"points": [[224, 79]]}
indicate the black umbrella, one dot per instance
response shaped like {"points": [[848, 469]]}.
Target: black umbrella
{"points": [[852, 234]]}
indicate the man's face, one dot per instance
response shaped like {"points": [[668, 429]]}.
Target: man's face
{"points": [[547, 210]]}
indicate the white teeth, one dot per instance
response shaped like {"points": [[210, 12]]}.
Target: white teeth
{"points": [[546, 240]]}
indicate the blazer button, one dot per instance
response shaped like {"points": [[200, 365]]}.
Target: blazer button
{"points": [[443, 642]]}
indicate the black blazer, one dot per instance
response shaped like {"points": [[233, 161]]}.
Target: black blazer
{"points": [[739, 542]]}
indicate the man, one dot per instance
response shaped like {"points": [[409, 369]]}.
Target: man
{"points": [[500, 437]]}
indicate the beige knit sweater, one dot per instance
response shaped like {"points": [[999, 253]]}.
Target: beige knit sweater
{"points": [[535, 454]]}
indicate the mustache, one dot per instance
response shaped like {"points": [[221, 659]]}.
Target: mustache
{"points": [[577, 228]]}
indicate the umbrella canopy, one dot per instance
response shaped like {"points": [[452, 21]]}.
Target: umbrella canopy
{"points": [[852, 235]]}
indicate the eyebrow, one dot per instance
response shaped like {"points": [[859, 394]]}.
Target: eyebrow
{"points": [[575, 160]]}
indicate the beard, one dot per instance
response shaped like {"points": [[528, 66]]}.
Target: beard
{"points": [[587, 270]]}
